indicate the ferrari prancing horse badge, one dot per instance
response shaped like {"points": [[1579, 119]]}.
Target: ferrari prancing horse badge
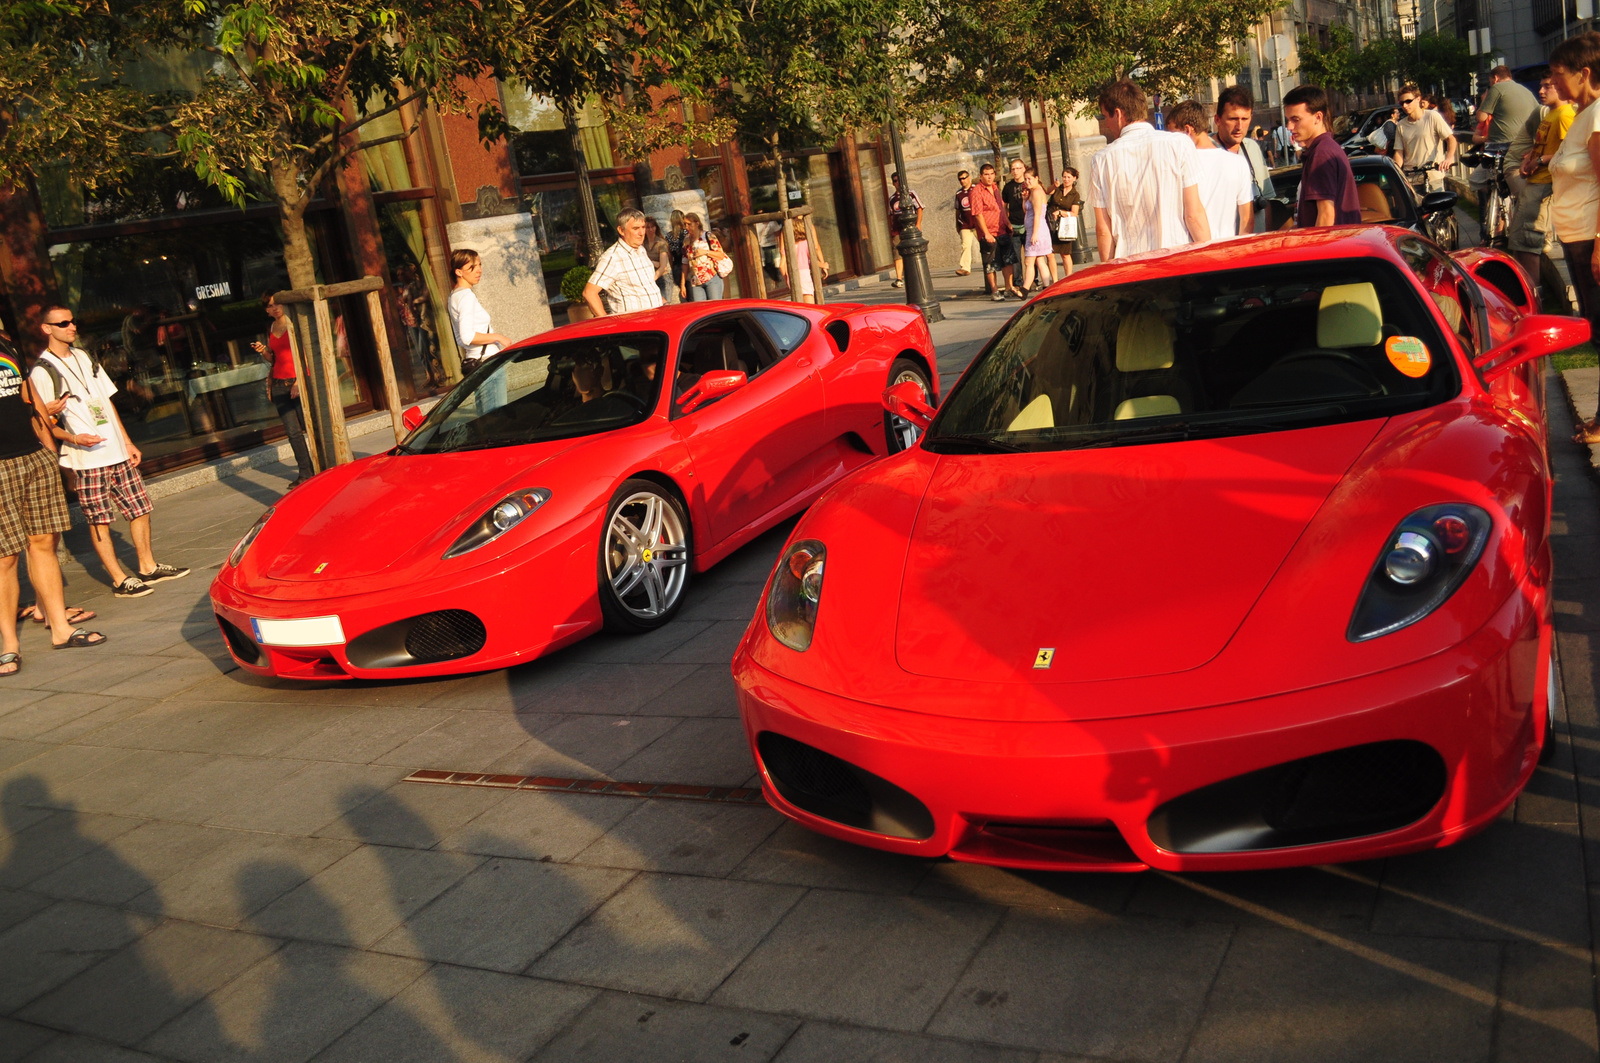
{"points": [[1043, 658]]}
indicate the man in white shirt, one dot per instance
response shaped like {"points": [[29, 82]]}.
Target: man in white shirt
{"points": [[1423, 141], [625, 272], [1143, 184], [1225, 185], [97, 448], [1235, 108]]}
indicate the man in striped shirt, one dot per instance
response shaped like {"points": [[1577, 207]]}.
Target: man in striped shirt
{"points": [[625, 272], [1144, 185]]}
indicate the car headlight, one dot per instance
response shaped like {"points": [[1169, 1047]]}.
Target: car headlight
{"points": [[796, 592], [249, 537], [501, 518], [1422, 564]]}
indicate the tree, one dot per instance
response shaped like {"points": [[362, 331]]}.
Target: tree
{"points": [[797, 68], [288, 88], [612, 52], [973, 58], [1336, 67]]}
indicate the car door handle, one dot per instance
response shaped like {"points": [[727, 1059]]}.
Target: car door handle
{"points": [[802, 362]]}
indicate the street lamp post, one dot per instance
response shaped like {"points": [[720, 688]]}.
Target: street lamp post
{"points": [[913, 245]]}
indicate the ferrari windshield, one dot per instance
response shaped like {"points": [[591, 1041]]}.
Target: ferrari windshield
{"points": [[1202, 355], [558, 390]]}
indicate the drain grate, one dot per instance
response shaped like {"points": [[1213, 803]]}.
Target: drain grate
{"points": [[739, 795]]}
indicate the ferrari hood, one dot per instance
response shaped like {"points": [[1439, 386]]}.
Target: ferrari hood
{"points": [[1087, 565], [393, 506]]}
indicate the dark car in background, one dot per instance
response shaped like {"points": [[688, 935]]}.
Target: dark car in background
{"points": [[1386, 199]]}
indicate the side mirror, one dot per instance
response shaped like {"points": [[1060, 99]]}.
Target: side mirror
{"points": [[909, 402], [412, 417], [1533, 337], [1435, 202], [712, 385]]}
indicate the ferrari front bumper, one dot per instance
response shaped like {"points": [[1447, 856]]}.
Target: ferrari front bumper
{"points": [[1090, 795]]}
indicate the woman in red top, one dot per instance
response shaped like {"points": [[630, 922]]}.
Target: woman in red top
{"points": [[283, 386]]}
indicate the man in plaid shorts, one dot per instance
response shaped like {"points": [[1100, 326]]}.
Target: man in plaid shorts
{"points": [[33, 514], [97, 448]]}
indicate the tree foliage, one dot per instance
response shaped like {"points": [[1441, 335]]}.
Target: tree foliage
{"points": [[1430, 60], [1336, 66], [273, 97]]}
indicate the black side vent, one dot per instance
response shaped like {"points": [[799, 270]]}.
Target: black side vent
{"points": [[243, 646], [824, 785], [840, 331], [445, 636], [1344, 793]]}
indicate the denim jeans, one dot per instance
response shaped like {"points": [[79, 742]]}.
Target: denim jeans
{"points": [[288, 408], [711, 289]]}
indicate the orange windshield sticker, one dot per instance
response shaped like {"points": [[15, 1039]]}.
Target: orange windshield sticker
{"points": [[1409, 355]]}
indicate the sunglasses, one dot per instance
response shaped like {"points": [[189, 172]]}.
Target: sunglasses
{"points": [[68, 323], [1408, 102]]}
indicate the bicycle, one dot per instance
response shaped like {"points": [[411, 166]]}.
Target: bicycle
{"points": [[1497, 203], [1439, 223]]}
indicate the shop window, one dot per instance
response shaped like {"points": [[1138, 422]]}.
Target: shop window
{"points": [[173, 315], [420, 297], [542, 144], [558, 229]]}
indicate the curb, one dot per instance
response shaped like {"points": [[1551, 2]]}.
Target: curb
{"points": [[1578, 418], [271, 454]]}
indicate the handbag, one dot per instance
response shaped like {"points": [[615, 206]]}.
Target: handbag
{"points": [[1067, 228], [724, 266]]}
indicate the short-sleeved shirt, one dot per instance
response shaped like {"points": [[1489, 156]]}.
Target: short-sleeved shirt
{"points": [[1139, 180], [986, 205], [894, 208], [17, 438], [1326, 174], [1421, 140], [964, 216], [89, 410], [1015, 195], [1552, 133], [1509, 105], [1575, 199], [1225, 186], [628, 277]]}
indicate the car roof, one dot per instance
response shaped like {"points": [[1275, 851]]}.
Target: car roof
{"points": [[674, 319], [1257, 249]]}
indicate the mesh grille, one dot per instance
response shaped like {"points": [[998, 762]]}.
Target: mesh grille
{"points": [[445, 636], [814, 773], [243, 646]]}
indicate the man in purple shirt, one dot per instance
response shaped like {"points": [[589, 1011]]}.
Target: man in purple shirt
{"points": [[1327, 186]]}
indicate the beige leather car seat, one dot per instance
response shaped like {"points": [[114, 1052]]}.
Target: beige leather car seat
{"points": [[1145, 344], [1375, 204], [1349, 316]]}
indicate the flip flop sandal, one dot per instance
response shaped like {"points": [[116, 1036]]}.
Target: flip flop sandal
{"points": [[79, 639], [30, 612], [10, 658], [76, 615]]}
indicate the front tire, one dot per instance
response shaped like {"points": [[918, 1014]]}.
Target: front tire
{"points": [[645, 548], [899, 433]]}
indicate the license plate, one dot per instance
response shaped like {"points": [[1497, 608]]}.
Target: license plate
{"points": [[313, 631]]}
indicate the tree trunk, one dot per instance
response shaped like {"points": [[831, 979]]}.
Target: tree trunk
{"points": [[324, 423], [580, 165], [791, 257], [994, 147], [292, 218]]}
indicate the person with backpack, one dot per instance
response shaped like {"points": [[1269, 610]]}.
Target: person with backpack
{"points": [[95, 447]]}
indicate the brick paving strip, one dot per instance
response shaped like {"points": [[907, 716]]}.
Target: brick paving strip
{"points": [[739, 795]]}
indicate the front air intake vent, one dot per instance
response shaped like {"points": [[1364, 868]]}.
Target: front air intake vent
{"points": [[243, 646], [826, 786], [446, 635]]}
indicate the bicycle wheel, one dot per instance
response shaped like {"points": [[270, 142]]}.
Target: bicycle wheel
{"points": [[1491, 217]]}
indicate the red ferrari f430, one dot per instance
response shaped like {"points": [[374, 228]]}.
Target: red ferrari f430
{"points": [[574, 481], [1228, 557]]}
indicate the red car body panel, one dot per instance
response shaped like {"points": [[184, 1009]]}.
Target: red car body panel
{"points": [[364, 541], [1197, 595]]}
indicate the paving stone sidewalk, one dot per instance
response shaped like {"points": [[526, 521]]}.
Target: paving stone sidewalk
{"points": [[199, 865]]}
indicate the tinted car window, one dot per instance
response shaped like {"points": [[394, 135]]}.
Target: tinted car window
{"points": [[1202, 356], [786, 331], [547, 391]]}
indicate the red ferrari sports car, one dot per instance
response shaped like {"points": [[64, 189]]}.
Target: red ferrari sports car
{"points": [[575, 480], [1229, 557]]}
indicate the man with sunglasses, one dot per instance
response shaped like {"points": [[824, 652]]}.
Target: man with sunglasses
{"points": [[1425, 145], [96, 447]]}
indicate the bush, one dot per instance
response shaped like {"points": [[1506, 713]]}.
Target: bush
{"points": [[572, 282]]}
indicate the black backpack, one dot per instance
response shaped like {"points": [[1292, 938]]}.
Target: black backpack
{"points": [[59, 382]]}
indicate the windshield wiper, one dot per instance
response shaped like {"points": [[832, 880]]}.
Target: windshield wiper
{"points": [[979, 444]]}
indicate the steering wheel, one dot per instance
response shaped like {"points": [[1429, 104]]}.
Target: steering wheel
{"points": [[1360, 369], [630, 396]]}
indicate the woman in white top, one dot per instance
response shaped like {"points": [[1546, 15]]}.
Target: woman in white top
{"points": [[467, 316], [470, 322], [1575, 193]]}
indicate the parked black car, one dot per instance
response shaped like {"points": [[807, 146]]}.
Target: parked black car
{"points": [[1386, 199]]}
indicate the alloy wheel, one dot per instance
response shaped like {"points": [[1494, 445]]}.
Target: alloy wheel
{"points": [[646, 555]]}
